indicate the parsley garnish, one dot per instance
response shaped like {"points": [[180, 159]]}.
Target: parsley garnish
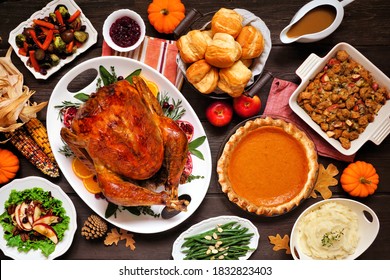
{"points": [[330, 237]]}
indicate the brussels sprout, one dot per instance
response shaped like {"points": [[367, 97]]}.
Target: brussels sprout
{"points": [[81, 36], [64, 12], [39, 54], [59, 44], [53, 17], [54, 59], [19, 40]]}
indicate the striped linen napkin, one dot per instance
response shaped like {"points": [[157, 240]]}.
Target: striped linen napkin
{"points": [[159, 54], [277, 104]]}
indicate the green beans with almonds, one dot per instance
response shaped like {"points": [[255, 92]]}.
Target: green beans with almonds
{"points": [[225, 242]]}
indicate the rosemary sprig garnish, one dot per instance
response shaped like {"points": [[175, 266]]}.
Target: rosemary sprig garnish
{"points": [[66, 104], [66, 151], [172, 109]]}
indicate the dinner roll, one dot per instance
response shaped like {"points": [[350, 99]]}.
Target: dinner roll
{"points": [[223, 51], [226, 21], [192, 46], [233, 80], [203, 76], [251, 41], [247, 62], [208, 35]]}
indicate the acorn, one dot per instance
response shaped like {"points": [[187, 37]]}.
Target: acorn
{"points": [[94, 227]]}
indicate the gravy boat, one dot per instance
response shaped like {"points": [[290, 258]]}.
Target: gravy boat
{"points": [[313, 37]]}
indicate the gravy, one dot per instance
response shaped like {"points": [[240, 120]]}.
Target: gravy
{"points": [[314, 21]]}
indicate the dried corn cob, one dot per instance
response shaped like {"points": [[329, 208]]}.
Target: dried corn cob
{"points": [[27, 146], [38, 132]]}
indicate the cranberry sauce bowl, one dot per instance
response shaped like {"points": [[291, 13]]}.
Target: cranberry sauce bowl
{"points": [[124, 30]]}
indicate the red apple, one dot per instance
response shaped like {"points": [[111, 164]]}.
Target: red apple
{"points": [[21, 217], [246, 106], [48, 220], [47, 231], [37, 212], [30, 212], [17, 216], [219, 113]]}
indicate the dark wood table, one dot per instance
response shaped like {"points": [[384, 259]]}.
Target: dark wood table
{"points": [[366, 26]]}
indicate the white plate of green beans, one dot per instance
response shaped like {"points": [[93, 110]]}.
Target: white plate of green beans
{"points": [[218, 238]]}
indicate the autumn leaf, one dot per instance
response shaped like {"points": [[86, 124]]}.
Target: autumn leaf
{"points": [[280, 243], [324, 181], [112, 237], [125, 235]]}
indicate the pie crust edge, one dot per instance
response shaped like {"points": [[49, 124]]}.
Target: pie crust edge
{"points": [[230, 145]]}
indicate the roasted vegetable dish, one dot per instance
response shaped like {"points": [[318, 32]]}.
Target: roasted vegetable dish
{"points": [[52, 38], [343, 98]]}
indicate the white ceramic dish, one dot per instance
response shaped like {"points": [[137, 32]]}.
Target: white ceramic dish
{"points": [[49, 8], [368, 228], [211, 224], [57, 192], [375, 131], [144, 223], [117, 15]]}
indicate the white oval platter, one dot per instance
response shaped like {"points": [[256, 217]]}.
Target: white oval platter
{"points": [[123, 66]]}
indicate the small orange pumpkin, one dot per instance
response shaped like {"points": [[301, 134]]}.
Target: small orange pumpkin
{"points": [[359, 179], [165, 15], [9, 166]]}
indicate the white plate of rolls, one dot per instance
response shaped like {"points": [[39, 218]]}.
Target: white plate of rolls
{"points": [[225, 57]]}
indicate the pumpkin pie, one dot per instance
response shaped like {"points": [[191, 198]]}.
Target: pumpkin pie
{"points": [[268, 166]]}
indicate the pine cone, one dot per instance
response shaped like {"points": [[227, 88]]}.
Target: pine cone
{"points": [[94, 227]]}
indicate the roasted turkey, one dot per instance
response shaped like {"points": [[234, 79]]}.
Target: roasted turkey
{"points": [[121, 134]]}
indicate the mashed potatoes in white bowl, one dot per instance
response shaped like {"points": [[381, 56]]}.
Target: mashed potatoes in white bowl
{"points": [[334, 229]]}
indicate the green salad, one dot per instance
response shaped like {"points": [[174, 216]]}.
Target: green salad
{"points": [[41, 223]]}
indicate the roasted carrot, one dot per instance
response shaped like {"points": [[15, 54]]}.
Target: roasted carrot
{"points": [[69, 47], [59, 17], [43, 23], [46, 43], [45, 30], [35, 38], [22, 51], [48, 39], [74, 16], [34, 61]]}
